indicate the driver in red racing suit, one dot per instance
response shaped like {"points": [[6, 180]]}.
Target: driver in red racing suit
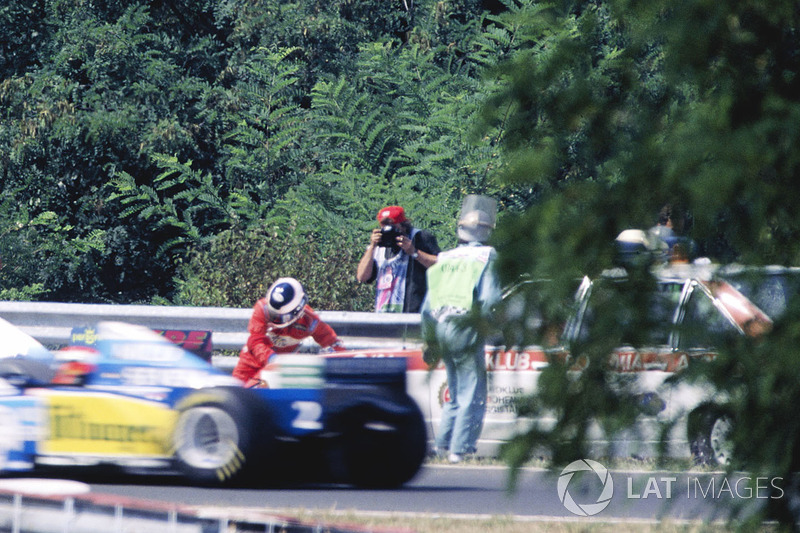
{"points": [[280, 321]]}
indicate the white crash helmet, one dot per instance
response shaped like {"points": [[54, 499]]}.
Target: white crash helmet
{"points": [[286, 300]]}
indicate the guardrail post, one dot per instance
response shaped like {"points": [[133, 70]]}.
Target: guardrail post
{"points": [[17, 518], [69, 511], [173, 521], [118, 510]]}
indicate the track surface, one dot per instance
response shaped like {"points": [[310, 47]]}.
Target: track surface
{"points": [[476, 490]]}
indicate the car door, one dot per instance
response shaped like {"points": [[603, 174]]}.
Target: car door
{"points": [[711, 311]]}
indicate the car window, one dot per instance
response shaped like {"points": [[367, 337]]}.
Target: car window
{"points": [[703, 325], [666, 302]]}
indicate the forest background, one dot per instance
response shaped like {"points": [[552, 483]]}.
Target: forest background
{"points": [[190, 151]]}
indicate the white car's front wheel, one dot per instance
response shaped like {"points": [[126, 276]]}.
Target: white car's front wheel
{"points": [[710, 437]]}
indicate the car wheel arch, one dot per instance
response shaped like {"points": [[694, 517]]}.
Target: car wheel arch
{"points": [[708, 429]]}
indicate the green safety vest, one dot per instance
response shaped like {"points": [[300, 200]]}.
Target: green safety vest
{"points": [[452, 280]]}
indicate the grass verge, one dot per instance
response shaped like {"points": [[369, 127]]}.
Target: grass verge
{"points": [[426, 523]]}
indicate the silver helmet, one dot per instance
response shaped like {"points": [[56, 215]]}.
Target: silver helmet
{"points": [[477, 219]]}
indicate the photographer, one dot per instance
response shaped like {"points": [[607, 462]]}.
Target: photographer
{"points": [[397, 258]]}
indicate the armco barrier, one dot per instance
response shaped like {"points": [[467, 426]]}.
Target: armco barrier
{"points": [[51, 323]]}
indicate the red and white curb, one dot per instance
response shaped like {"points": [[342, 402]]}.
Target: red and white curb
{"points": [[64, 506]]}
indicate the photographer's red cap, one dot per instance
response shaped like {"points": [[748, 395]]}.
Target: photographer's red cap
{"points": [[393, 213]]}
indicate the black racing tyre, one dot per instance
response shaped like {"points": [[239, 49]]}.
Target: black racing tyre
{"points": [[709, 434], [222, 436], [382, 449], [26, 372]]}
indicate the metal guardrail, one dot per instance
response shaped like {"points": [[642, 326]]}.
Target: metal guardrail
{"points": [[51, 323]]}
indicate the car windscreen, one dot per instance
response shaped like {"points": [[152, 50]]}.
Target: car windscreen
{"points": [[770, 288]]}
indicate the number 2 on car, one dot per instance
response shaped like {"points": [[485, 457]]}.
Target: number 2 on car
{"points": [[309, 415]]}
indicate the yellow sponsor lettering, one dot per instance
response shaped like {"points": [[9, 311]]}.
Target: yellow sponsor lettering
{"points": [[99, 424], [88, 336]]}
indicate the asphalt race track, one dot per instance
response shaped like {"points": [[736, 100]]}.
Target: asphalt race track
{"points": [[482, 490]]}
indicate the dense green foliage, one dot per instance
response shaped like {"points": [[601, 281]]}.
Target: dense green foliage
{"points": [[617, 108], [138, 137]]}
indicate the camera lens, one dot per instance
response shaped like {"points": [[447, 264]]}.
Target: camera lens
{"points": [[388, 237]]}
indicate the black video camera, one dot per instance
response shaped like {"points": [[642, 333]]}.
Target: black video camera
{"points": [[389, 237]]}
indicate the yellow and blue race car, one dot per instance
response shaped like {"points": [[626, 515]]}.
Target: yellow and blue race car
{"points": [[136, 400]]}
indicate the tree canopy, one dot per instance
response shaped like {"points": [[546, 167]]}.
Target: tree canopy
{"points": [[141, 140], [614, 109]]}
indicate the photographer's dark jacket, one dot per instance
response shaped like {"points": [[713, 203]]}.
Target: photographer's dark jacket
{"points": [[400, 279]]}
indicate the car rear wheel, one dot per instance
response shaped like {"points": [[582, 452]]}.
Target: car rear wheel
{"points": [[222, 436], [711, 443], [383, 449]]}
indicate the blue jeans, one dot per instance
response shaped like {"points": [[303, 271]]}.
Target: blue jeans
{"points": [[465, 363]]}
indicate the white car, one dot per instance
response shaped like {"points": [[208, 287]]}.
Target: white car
{"points": [[691, 309]]}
